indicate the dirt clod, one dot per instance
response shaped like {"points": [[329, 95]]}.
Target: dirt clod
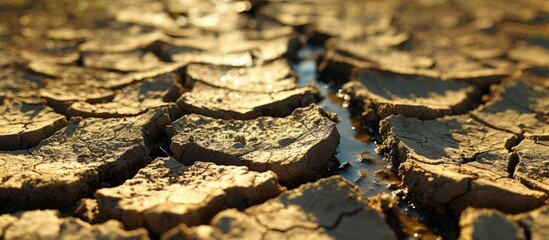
{"points": [[331, 208], [47, 224], [167, 193], [297, 147], [77, 160]]}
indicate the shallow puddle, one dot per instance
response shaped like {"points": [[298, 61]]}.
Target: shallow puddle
{"points": [[360, 163], [356, 153]]}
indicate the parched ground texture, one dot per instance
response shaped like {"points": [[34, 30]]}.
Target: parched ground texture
{"points": [[189, 119]]}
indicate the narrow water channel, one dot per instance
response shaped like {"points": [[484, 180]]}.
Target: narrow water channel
{"points": [[356, 153]]}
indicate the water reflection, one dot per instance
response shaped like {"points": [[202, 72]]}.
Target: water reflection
{"points": [[356, 151]]}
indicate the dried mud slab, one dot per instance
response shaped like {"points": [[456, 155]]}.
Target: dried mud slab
{"points": [[125, 61], [99, 78], [273, 49], [374, 22], [535, 222], [519, 106], [488, 224], [430, 60], [226, 18], [121, 40], [224, 43], [299, 14], [455, 66], [77, 160], [68, 33], [331, 208], [456, 139], [61, 93], [262, 51], [78, 84], [47, 224], [456, 162], [48, 51], [268, 78], [7, 57], [87, 210], [450, 187], [532, 168], [296, 147], [73, 73], [343, 65], [186, 56], [420, 97], [159, 92], [383, 56], [25, 123], [229, 104], [531, 54], [492, 224], [145, 16], [167, 193], [18, 82]]}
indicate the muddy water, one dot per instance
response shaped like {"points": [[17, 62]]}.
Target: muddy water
{"points": [[367, 169], [356, 153]]}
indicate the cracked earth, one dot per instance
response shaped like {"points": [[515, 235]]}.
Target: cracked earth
{"points": [[244, 119]]}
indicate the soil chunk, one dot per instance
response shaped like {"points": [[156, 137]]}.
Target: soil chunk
{"points": [[456, 161], [492, 224], [535, 222], [296, 147], [98, 78], [331, 208], [186, 56], [258, 53], [73, 73], [47, 224], [382, 56], [268, 78], [135, 99], [488, 224], [167, 193], [25, 123], [87, 210], [355, 28], [456, 139], [227, 16], [79, 84], [77, 160], [456, 66], [458, 187], [48, 51], [299, 14], [145, 16], [229, 104], [18, 82], [532, 168], [120, 40], [7, 57], [519, 106], [420, 97], [481, 76], [125, 62], [531, 54], [225, 43]]}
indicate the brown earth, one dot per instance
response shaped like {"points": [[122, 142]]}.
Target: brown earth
{"points": [[296, 147], [458, 88], [167, 193], [47, 224], [331, 208], [77, 160]]}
